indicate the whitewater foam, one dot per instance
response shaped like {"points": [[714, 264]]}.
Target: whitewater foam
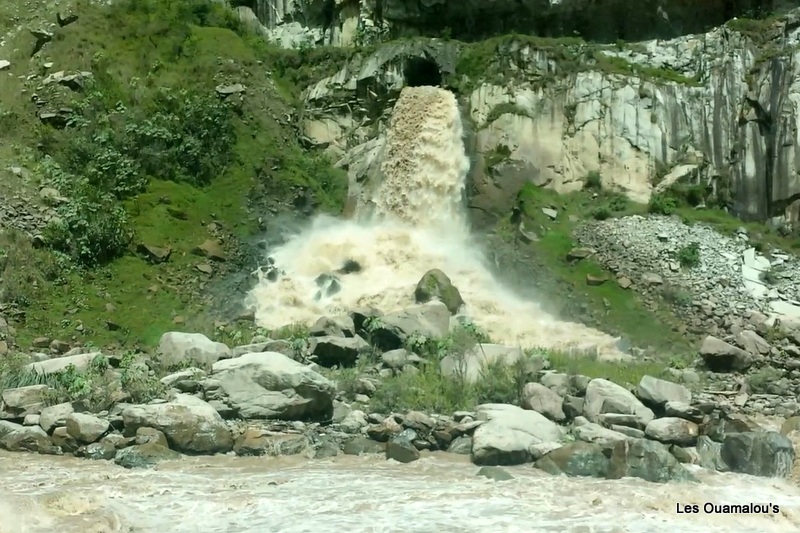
{"points": [[440, 492], [417, 222]]}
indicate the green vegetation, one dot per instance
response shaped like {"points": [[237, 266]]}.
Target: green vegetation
{"points": [[150, 154], [619, 310], [760, 31], [426, 389], [488, 61], [97, 388], [689, 255]]}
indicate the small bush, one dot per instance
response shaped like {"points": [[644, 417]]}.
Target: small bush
{"points": [[601, 213], [662, 204], [689, 255], [594, 181], [25, 270]]}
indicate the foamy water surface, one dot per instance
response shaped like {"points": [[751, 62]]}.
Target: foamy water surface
{"points": [[365, 495]]}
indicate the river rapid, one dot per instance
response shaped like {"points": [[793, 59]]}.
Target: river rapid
{"points": [[440, 492]]}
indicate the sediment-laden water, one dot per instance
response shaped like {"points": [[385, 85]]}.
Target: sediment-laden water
{"points": [[363, 495]]}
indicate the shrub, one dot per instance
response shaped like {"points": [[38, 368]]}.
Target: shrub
{"points": [[601, 213], [689, 255], [593, 181], [662, 204]]}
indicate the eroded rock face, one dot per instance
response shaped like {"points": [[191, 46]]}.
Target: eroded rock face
{"points": [[708, 99]]}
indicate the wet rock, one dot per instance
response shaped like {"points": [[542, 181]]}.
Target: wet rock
{"points": [[461, 445], [144, 455], [18, 438], [575, 459], [190, 424], [710, 454], [495, 473], [539, 398], [256, 442], [719, 356], [145, 435], [64, 440], [401, 448], [269, 385], [176, 348], [391, 331], [363, 446], [86, 428], [603, 396], [645, 459], [435, 285], [767, 453], [719, 428], [672, 430], [98, 451], [337, 351], [327, 449], [507, 434], [384, 431]]}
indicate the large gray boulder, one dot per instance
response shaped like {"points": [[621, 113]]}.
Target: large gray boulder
{"points": [[191, 425], [646, 459], [79, 362], [269, 385], [657, 392], [435, 285], [606, 397], [23, 401], [177, 349], [766, 453], [431, 320], [508, 433]]}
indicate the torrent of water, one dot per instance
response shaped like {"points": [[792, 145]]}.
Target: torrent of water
{"points": [[440, 492], [417, 222]]}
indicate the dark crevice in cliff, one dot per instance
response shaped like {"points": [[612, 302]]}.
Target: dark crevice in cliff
{"points": [[767, 131]]}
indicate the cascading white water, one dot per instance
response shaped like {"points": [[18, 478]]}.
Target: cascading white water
{"points": [[417, 223]]}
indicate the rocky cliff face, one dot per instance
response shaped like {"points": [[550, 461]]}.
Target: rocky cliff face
{"points": [[719, 109], [470, 20]]}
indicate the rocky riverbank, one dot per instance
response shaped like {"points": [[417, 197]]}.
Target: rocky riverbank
{"points": [[319, 393]]}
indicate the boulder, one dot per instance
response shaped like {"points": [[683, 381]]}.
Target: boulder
{"points": [[603, 396], [507, 434], [19, 438], [144, 455], [720, 356], [55, 416], [575, 459], [590, 432], [539, 398], [495, 473], [332, 351], [176, 348], [430, 320], [86, 428], [79, 362], [671, 430], [191, 425], [269, 385], [766, 453], [23, 401], [657, 392], [401, 447], [435, 285], [256, 441], [341, 326], [645, 459]]}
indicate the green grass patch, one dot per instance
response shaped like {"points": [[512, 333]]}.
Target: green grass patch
{"points": [[153, 169], [618, 310]]}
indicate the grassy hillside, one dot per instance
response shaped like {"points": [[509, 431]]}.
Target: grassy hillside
{"points": [[149, 155]]}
